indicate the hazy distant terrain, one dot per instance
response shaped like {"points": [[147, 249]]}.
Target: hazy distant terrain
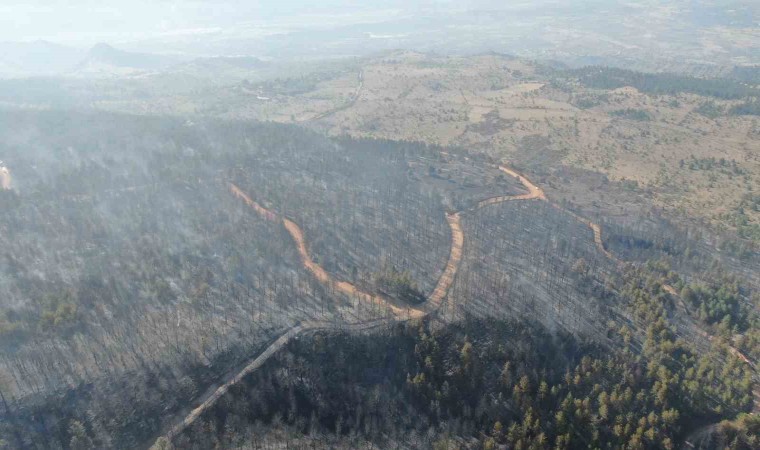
{"points": [[413, 225], [700, 38]]}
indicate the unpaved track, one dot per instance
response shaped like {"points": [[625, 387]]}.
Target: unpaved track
{"points": [[235, 377], [341, 286], [433, 303], [401, 313], [455, 257], [734, 351], [595, 228], [265, 213], [351, 102], [536, 192], [533, 190]]}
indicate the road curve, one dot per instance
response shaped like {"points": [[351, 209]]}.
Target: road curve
{"points": [[401, 313], [446, 279], [595, 228], [315, 269], [433, 303], [341, 286], [537, 192]]}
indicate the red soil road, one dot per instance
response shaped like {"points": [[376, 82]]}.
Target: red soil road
{"points": [[536, 192], [316, 270], [446, 279], [432, 304], [733, 350], [433, 301], [341, 286], [595, 228], [267, 214], [533, 190]]}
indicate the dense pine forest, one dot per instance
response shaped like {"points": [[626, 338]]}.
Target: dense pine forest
{"points": [[480, 383]]}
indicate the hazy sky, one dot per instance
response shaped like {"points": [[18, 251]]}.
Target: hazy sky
{"points": [[85, 22]]}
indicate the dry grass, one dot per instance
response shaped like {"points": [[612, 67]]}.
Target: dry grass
{"points": [[507, 108], [493, 104]]}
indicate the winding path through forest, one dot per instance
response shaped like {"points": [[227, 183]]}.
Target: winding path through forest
{"points": [[536, 192], [433, 301], [400, 312]]}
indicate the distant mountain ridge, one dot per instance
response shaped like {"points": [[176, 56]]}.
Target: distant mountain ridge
{"points": [[37, 58], [103, 56], [241, 62], [43, 58]]}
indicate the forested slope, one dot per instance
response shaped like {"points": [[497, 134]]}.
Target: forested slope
{"points": [[134, 281], [480, 383], [128, 262]]}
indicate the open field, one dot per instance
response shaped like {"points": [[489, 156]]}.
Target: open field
{"points": [[675, 144], [680, 153]]}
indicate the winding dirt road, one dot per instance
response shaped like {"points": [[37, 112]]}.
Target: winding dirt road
{"points": [[595, 228], [455, 257], [536, 192], [341, 286], [433, 302], [400, 312], [442, 287]]}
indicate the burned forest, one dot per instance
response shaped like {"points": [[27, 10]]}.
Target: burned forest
{"points": [[479, 225], [158, 269]]}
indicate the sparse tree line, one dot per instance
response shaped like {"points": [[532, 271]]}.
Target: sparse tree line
{"points": [[662, 83]]}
